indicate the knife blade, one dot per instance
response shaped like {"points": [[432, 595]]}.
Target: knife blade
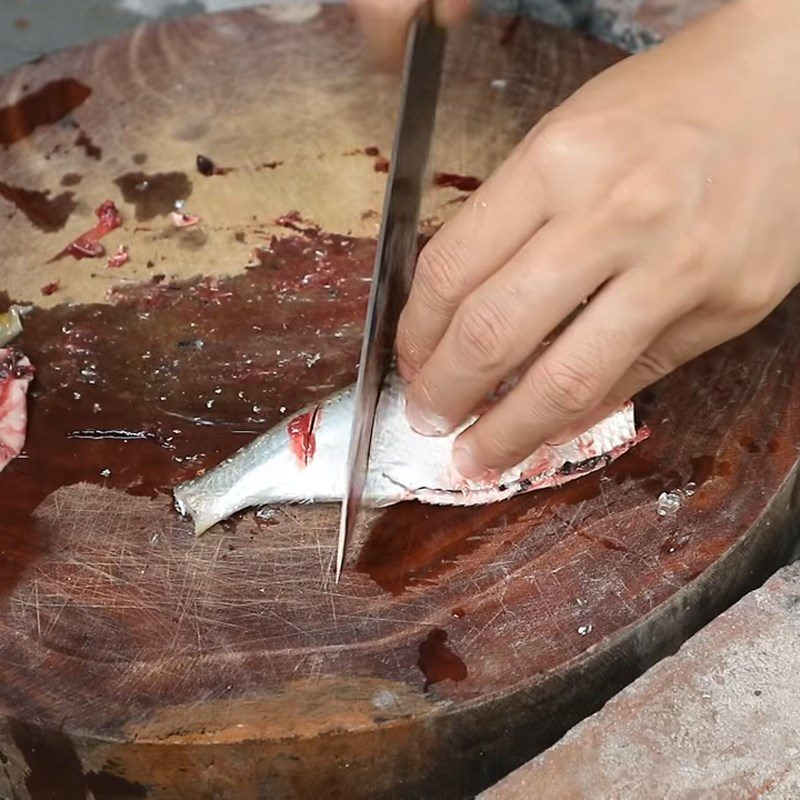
{"points": [[396, 254]]}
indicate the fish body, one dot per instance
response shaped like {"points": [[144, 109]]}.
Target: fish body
{"points": [[305, 461], [15, 375]]}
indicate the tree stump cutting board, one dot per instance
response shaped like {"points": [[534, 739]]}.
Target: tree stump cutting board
{"points": [[139, 661]]}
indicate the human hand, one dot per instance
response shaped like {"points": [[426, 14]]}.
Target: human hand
{"points": [[385, 25], [667, 190]]}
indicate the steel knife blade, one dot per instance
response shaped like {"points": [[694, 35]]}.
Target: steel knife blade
{"points": [[396, 254]]}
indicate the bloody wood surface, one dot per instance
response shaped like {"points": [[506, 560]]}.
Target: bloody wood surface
{"points": [[137, 661]]}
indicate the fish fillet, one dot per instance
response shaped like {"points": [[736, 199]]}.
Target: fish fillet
{"points": [[305, 461], [15, 375]]}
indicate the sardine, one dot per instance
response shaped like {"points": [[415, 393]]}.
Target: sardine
{"points": [[15, 375], [304, 461]]}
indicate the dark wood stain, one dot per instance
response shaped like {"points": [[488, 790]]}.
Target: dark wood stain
{"points": [[47, 213], [704, 468], [438, 662], [451, 180], [71, 179], [124, 368], [413, 544], [509, 33], [749, 444], [107, 786], [154, 195], [54, 769], [85, 142], [46, 106]]}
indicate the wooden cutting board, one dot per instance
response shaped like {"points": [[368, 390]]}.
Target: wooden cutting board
{"points": [[138, 661]]}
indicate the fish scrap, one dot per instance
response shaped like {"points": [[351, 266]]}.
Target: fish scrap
{"points": [[16, 373]]}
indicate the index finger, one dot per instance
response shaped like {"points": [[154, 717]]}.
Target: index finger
{"points": [[486, 232]]}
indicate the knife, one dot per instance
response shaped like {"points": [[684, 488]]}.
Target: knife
{"points": [[396, 254]]}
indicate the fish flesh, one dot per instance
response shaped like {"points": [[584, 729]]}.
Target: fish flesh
{"points": [[305, 461], [15, 375]]}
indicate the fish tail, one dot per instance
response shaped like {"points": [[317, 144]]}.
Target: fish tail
{"points": [[186, 498]]}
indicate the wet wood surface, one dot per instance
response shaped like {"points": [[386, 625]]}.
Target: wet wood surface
{"points": [[138, 661]]}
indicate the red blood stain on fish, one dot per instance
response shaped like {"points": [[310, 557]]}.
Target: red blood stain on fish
{"points": [[301, 435], [46, 106], [438, 662], [50, 288], [88, 245]]}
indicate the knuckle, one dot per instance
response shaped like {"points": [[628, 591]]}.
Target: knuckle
{"points": [[555, 139], [650, 193], [408, 346], [481, 335], [505, 446], [441, 273], [750, 301], [565, 388], [652, 365]]}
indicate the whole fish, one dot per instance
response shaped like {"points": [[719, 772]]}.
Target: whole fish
{"points": [[304, 461], [15, 375]]}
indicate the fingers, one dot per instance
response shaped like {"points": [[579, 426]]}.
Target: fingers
{"points": [[499, 218], [385, 25], [503, 321], [451, 12], [682, 342], [573, 376]]}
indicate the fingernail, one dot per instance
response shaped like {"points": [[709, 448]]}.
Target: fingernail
{"points": [[427, 423], [467, 465]]}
